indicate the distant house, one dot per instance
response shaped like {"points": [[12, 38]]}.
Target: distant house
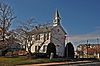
{"points": [[52, 34], [88, 49]]}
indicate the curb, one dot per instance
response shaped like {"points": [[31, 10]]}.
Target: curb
{"points": [[58, 63]]}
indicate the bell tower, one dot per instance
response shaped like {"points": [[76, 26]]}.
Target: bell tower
{"points": [[56, 20]]}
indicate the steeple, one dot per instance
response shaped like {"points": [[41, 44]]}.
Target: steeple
{"points": [[56, 20]]}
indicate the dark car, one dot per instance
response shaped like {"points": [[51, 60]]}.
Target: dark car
{"points": [[39, 55]]}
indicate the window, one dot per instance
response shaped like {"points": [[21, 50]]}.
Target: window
{"points": [[36, 48], [37, 37], [47, 36], [58, 30], [39, 47], [44, 48], [44, 37]]}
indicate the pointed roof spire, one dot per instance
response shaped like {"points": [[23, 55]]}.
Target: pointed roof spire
{"points": [[57, 14]]}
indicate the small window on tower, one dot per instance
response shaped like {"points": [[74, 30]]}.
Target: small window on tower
{"points": [[58, 30]]}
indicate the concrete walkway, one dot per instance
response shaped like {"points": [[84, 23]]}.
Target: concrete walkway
{"points": [[57, 63]]}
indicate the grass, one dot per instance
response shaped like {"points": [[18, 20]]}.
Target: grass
{"points": [[23, 60], [10, 61]]}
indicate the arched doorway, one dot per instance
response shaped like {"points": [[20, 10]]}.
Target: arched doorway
{"points": [[69, 50], [51, 48]]}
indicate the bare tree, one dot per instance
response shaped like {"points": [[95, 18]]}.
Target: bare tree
{"points": [[6, 17], [24, 32]]}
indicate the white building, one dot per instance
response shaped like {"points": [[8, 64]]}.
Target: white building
{"points": [[54, 33]]}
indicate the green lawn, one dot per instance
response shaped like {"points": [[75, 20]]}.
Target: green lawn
{"points": [[22, 60]]}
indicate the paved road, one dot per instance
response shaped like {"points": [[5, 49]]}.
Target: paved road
{"points": [[83, 64]]}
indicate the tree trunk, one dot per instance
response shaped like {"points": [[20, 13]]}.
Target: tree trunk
{"points": [[30, 53]]}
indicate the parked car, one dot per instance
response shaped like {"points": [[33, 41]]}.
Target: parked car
{"points": [[39, 55]]}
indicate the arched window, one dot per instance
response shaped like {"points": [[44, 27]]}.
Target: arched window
{"points": [[44, 48]]}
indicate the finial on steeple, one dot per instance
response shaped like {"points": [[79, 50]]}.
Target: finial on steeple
{"points": [[57, 19], [56, 14]]}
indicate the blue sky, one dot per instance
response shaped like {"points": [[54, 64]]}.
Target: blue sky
{"points": [[80, 18]]}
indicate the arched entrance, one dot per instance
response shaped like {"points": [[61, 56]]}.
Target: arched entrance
{"points": [[51, 48], [69, 50]]}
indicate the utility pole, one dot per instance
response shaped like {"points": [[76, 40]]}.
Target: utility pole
{"points": [[82, 52], [87, 48], [97, 47]]}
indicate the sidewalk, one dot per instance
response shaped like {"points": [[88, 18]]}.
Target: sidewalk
{"points": [[58, 63]]}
